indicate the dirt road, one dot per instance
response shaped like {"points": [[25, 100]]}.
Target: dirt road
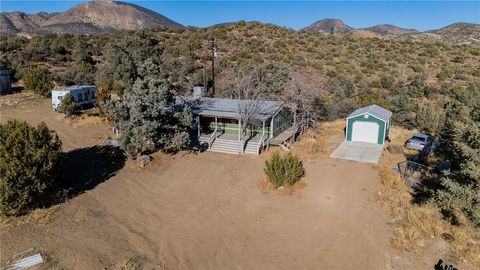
{"points": [[205, 211]]}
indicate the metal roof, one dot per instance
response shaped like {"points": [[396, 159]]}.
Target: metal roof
{"points": [[74, 87], [374, 110], [226, 107]]}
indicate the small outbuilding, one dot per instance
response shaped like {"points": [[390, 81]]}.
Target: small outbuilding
{"points": [[369, 124]]}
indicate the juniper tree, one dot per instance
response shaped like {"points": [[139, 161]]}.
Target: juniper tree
{"points": [[29, 160], [146, 117], [68, 105], [38, 80]]}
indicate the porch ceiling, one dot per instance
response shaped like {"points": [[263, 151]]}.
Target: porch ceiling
{"points": [[224, 114]]}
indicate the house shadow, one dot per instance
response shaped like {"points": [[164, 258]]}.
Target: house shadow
{"points": [[85, 168]]}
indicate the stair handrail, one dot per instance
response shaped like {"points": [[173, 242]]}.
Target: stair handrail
{"points": [[212, 139], [260, 144]]}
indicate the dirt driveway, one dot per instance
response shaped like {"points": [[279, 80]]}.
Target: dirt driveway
{"points": [[205, 211]]}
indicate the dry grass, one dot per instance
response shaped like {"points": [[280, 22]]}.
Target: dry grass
{"points": [[38, 216], [292, 190], [320, 141], [85, 121], [266, 187], [128, 264], [413, 225]]}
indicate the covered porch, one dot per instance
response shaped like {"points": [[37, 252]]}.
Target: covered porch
{"points": [[218, 125]]}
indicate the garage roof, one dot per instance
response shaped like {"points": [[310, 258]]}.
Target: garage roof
{"points": [[374, 110]]}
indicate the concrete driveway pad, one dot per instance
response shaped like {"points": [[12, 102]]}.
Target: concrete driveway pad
{"points": [[358, 151]]}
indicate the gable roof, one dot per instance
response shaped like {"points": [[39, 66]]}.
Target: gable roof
{"points": [[226, 107], [374, 110]]}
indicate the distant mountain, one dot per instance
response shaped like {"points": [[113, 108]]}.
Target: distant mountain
{"points": [[389, 30], [97, 16], [329, 26], [460, 33], [457, 33], [336, 26]]}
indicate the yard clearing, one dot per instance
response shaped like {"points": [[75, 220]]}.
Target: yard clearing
{"points": [[206, 211]]}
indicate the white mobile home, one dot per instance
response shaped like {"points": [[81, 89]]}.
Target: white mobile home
{"points": [[83, 94]]}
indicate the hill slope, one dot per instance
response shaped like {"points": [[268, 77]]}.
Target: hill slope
{"points": [[388, 29], [329, 26], [97, 16]]}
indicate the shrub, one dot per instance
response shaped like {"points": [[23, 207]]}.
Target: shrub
{"points": [[29, 156], [38, 80], [284, 170], [68, 105]]}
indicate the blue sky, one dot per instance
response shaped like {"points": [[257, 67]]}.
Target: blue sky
{"points": [[294, 14]]}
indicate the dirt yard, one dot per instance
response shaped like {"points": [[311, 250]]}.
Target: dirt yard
{"points": [[202, 211]]}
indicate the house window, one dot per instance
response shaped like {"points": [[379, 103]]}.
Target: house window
{"points": [[60, 97], [79, 97], [93, 94]]}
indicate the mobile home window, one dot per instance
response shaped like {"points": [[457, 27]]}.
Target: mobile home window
{"points": [[85, 96], [79, 96]]}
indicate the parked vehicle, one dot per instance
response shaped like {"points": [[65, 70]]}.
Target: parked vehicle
{"points": [[419, 141]]}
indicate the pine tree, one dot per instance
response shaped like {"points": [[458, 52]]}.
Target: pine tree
{"points": [[461, 187]]}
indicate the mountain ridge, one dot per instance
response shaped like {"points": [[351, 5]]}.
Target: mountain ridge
{"points": [[86, 17], [110, 16]]}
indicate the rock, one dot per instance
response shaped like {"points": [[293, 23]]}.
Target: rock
{"points": [[144, 160]]}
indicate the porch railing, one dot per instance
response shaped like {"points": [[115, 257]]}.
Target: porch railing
{"points": [[213, 137], [260, 144]]}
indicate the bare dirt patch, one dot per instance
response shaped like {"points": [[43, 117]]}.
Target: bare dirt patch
{"points": [[204, 211]]}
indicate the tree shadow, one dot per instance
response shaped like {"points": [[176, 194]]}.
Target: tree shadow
{"points": [[85, 168]]}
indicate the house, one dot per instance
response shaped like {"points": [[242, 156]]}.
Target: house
{"points": [[83, 95], [218, 125], [369, 124]]}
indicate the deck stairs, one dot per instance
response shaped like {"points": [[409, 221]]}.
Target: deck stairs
{"points": [[222, 145], [252, 147]]}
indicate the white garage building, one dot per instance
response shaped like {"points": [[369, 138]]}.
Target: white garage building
{"points": [[369, 124]]}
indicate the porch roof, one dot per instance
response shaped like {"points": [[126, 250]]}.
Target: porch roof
{"points": [[228, 108]]}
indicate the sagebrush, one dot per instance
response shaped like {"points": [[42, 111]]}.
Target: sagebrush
{"points": [[284, 170]]}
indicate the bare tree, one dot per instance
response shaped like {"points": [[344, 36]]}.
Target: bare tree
{"points": [[299, 97], [248, 105]]}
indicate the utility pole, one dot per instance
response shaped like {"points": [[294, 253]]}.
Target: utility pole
{"points": [[214, 54]]}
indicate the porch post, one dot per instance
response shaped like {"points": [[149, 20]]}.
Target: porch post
{"points": [[239, 129], [263, 127], [216, 123], [198, 125], [271, 127]]}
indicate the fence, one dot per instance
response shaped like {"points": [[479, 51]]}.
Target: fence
{"points": [[413, 173]]}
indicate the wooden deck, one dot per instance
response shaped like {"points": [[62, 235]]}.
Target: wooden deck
{"points": [[282, 137]]}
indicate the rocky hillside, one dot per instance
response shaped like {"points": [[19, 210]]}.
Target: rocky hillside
{"points": [[329, 26], [97, 16]]}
